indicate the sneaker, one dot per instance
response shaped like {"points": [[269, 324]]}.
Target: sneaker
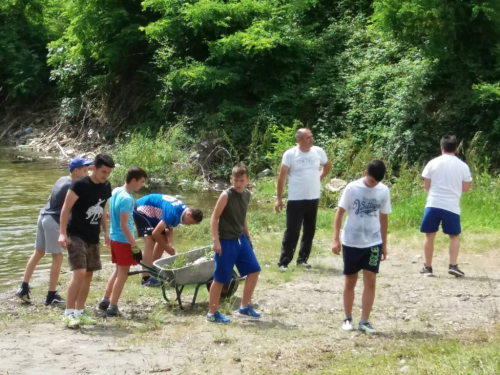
{"points": [[218, 318], [455, 271], [54, 300], [247, 312], [151, 282], [85, 319], [366, 328], [304, 264], [426, 271], [347, 325], [112, 312], [24, 294], [71, 321], [103, 306], [283, 268]]}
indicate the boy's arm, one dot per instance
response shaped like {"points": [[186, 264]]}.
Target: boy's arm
{"points": [[69, 202], [124, 216], [247, 233], [384, 224], [427, 184], [161, 239], [280, 187], [104, 225], [214, 221], [336, 230]]}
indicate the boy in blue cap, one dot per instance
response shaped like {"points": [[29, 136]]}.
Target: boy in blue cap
{"points": [[47, 234], [232, 246], [155, 217]]}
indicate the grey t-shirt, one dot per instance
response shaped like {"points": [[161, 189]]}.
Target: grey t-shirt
{"points": [[232, 219], [57, 197]]}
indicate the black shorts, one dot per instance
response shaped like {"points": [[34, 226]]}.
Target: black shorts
{"points": [[144, 224], [357, 259]]}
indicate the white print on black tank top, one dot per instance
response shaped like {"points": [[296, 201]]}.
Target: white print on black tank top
{"points": [[94, 212]]}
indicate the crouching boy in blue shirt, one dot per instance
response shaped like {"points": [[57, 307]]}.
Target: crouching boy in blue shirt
{"points": [[232, 246]]}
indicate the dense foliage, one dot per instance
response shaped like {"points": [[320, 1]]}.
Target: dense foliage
{"points": [[395, 73]]}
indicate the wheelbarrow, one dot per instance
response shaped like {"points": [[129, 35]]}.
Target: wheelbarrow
{"points": [[194, 274]]}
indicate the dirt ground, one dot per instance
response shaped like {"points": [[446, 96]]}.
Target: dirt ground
{"points": [[301, 322]]}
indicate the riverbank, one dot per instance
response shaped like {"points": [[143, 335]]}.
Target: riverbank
{"points": [[438, 325]]}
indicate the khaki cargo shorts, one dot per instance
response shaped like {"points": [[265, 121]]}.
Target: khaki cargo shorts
{"points": [[83, 255]]}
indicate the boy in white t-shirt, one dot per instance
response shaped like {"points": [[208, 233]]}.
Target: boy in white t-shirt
{"points": [[445, 179], [364, 238]]}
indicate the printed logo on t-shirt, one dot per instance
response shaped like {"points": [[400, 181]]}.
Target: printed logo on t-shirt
{"points": [[94, 212], [305, 161], [366, 207], [173, 200]]}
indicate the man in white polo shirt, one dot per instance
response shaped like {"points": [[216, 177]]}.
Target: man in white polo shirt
{"points": [[302, 166], [445, 179]]}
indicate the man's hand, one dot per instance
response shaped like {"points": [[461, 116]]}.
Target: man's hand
{"points": [[384, 252], [107, 241], [279, 205], [63, 241], [170, 250], [137, 253], [336, 247], [217, 247]]}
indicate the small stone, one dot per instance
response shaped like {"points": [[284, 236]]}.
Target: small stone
{"points": [[404, 369]]}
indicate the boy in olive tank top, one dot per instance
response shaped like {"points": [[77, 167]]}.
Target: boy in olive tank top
{"points": [[232, 246]]}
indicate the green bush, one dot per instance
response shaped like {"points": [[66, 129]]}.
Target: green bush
{"points": [[165, 157]]}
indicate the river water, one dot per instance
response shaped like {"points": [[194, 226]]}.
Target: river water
{"points": [[24, 189]]}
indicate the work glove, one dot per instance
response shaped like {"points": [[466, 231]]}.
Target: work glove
{"points": [[137, 253]]}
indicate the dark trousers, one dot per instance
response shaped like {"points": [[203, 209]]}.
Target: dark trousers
{"points": [[299, 214]]}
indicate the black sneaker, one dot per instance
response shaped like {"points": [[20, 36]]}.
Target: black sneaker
{"points": [[54, 300], [303, 264], [112, 312], [103, 306], [24, 294], [426, 271], [455, 271]]}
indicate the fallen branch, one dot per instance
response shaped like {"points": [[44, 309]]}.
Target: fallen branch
{"points": [[61, 149], [8, 128]]}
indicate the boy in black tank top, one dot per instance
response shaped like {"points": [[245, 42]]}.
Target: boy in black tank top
{"points": [[232, 246]]}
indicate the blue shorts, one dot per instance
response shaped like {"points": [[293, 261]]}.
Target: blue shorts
{"points": [[434, 216], [357, 259], [237, 253]]}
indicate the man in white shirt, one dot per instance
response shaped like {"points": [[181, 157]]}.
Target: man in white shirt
{"points": [[445, 179], [364, 240], [302, 166]]}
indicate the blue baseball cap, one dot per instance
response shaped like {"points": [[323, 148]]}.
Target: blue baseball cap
{"points": [[78, 162]]}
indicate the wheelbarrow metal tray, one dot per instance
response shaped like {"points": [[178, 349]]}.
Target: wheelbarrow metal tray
{"points": [[192, 274]]}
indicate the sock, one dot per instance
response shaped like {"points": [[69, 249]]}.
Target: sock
{"points": [[78, 312], [145, 278], [243, 307], [210, 315], [69, 312], [105, 299], [348, 317], [25, 285], [363, 321], [51, 293]]}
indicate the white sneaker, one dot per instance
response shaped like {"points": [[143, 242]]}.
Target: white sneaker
{"points": [[347, 325], [71, 321], [366, 328], [283, 268]]}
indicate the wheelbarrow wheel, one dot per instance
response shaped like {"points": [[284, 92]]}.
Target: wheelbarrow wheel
{"points": [[228, 289]]}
